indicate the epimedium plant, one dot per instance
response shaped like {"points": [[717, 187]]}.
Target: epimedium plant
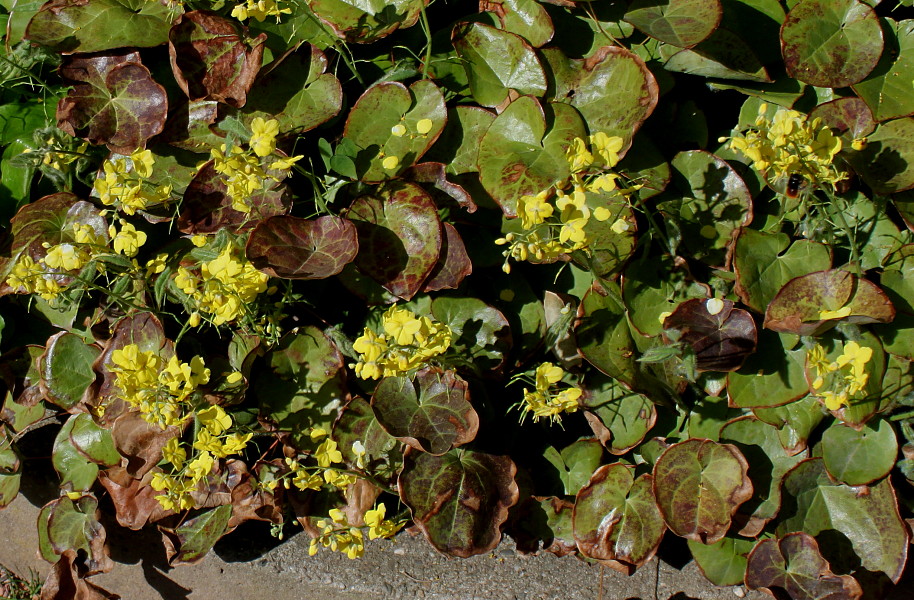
{"points": [[615, 271]]}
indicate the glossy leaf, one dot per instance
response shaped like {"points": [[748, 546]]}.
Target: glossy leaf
{"points": [[50, 220], [615, 517], [454, 264], [526, 18], [77, 472], [374, 123], [723, 55], [859, 457], [114, 101], [364, 21], [653, 287], [883, 90], [703, 484], [871, 526], [66, 369], [357, 422], [296, 248], [681, 23], [612, 241], [575, 463], [724, 561], [720, 335], [10, 469], [849, 116], [887, 162], [212, 58], [496, 62], [800, 306], [399, 236], [458, 145], [618, 417], [69, 26], [831, 43], [431, 413], [195, 537], [481, 333], [771, 378], [459, 500], [74, 525], [793, 564]]}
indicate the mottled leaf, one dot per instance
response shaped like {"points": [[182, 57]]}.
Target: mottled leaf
{"points": [[453, 264], [195, 537], [365, 21], [296, 248], [357, 422], [720, 335], [481, 333], [73, 525], [849, 116], [681, 23], [66, 369], [526, 18]]}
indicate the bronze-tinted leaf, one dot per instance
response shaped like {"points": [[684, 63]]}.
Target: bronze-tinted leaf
{"points": [[212, 58], [207, 207], [134, 500], [459, 500], [721, 336], [357, 422], [453, 263], [399, 237], [194, 538], [114, 100], [811, 304], [50, 220], [435, 173], [431, 413], [140, 442], [848, 116], [793, 564], [296, 248], [65, 582], [699, 484], [74, 525]]}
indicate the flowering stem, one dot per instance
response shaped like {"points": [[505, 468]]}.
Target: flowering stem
{"points": [[902, 416], [423, 19]]}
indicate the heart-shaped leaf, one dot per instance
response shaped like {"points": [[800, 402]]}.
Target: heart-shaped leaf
{"points": [[615, 517], [723, 55], [887, 162], [365, 21], [481, 333], [50, 220], [793, 564], [611, 241], [431, 412], [768, 462], [114, 101], [544, 519], [575, 463], [810, 304], [207, 207], [517, 157], [297, 92], [883, 90], [831, 43], [603, 335], [652, 287], [720, 335], [616, 109], [699, 485], [770, 378], [77, 473], [618, 417], [872, 529], [73, 525], [681, 23], [66, 369], [459, 500], [296, 248], [393, 126], [724, 561], [765, 262], [399, 237], [795, 422], [357, 423], [212, 58], [458, 145], [859, 457], [526, 18], [496, 62], [69, 26], [849, 116], [194, 538], [93, 441]]}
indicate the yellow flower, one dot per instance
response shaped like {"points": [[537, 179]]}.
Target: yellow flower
{"points": [[606, 147], [327, 453], [214, 419], [143, 163], [534, 210], [401, 325], [263, 138], [201, 466], [174, 453], [577, 155], [128, 240], [835, 314], [66, 257]]}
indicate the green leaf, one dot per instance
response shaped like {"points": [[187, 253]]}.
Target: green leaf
{"points": [[77, 473], [772, 377], [616, 518], [724, 561], [73, 525], [765, 262], [15, 183], [458, 145], [859, 457], [898, 278], [768, 462], [431, 413], [724, 55], [384, 123], [794, 564], [652, 287], [618, 109], [886, 90], [20, 120], [114, 100], [831, 43], [699, 485], [609, 247], [481, 333], [874, 535], [681, 23], [618, 417], [70, 26], [357, 422], [603, 335], [93, 441], [66, 369], [887, 162], [399, 237], [10, 469], [496, 62], [712, 201], [459, 500], [20, 14], [196, 537], [296, 248], [575, 463], [516, 155], [365, 21], [527, 18]]}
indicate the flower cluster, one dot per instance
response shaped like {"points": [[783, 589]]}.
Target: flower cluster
{"points": [[842, 380], [127, 186], [159, 389], [60, 154], [408, 342], [789, 144], [555, 227], [260, 10], [223, 286], [423, 127], [212, 442], [313, 477], [338, 535], [244, 171], [547, 399]]}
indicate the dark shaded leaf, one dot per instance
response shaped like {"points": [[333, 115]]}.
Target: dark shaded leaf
{"points": [[453, 263], [481, 333], [365, 21], [195, 537], [681, 23], [618, 417], [720, 335], [296, 248], [66, 582], [887, 162]]}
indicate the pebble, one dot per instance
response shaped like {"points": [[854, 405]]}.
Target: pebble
{"points": [[400, 551], [739, 592]]}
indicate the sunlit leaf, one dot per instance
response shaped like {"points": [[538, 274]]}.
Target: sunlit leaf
{"points": [[296, 248]]}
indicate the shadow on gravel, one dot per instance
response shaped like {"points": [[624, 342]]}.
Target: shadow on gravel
{"points": [[249, 541]]}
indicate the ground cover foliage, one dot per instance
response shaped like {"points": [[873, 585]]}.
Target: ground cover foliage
{"points": [[586, 273]]}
